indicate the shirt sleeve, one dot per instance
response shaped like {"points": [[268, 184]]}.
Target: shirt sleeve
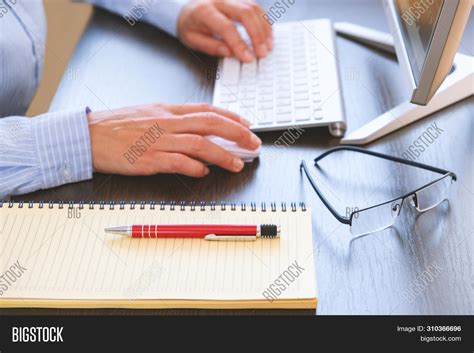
{"points": [[43, 152], [159, 13]]}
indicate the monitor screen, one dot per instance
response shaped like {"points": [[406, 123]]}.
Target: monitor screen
{"points": [[418, 19]]}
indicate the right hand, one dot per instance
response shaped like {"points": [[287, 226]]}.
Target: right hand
{"points": [[208, 26], [161, 138]]}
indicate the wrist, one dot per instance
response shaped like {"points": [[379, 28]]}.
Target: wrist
{"points": [[91, 120]]}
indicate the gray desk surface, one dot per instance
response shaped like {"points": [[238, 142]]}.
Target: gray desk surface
{"points": [[117, 65]]}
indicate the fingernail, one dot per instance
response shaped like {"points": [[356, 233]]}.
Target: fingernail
{"points": [[238, 164], [262, 50], [206, 171], [223, 51], [255, 140], [248, 56]]}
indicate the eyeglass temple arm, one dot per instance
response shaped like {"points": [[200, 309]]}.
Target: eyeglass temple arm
{"points": [[384, 156], [338, 216]]}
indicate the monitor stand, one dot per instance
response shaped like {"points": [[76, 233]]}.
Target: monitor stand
{"points": [[457, 86]]}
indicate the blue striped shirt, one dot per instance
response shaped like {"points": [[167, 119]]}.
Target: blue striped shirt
{"points": [[54, 148]]}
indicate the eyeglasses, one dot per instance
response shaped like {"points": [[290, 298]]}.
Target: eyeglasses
{"points": [[381, 216]]}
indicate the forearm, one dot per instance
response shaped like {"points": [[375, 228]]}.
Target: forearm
{"points": [[43, 152], [159, 13]]}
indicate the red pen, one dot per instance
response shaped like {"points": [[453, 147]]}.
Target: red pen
{"points": [[203, 231]]}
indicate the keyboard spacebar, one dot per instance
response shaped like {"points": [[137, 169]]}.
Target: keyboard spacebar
{"points": [[231, 71]]}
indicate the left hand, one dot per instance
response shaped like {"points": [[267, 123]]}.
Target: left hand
{"points": [[207, 25]]}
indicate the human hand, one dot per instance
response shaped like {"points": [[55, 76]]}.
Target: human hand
{"points": [[207, 25], [161, 138]]}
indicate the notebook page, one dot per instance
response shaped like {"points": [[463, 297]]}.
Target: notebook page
{"points": [[69, 256]]}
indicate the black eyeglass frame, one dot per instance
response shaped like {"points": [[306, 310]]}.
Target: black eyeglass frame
{"points": [[348, 220]]}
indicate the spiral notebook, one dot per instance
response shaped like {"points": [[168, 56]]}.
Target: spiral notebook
{"points": [[58, 256]]}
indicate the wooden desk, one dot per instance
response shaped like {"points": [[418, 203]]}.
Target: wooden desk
{"points": [[117, 65]]}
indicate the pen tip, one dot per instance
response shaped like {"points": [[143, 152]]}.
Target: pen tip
{"points": [[125, 231]]}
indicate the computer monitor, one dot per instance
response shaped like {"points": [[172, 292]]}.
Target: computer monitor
{"points": [[426, 35]]}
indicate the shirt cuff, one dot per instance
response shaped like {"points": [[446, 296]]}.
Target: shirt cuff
{"points": [[159, 13], [64, 148], [165, 15]]}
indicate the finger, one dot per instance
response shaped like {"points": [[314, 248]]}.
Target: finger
{"points": [[200, 147], [254, 28], [267, 27], [181, 164], [221, 25], [208, 124], [205, 107], [247, 14], [207, 44]]}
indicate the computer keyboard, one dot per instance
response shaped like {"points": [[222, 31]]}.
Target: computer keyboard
{"points": [[296, 85]]}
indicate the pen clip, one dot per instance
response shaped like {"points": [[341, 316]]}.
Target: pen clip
{"points": [[229, 237]]}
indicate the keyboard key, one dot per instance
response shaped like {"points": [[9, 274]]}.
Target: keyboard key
{"points": [[266, 74], [302, 114], [263, 91], [246, 95], [301, 96], [249, 67], [265, 83], [302, 104], [318, 108], [301, 89], [248, 74], [283, 81], [300, 75], [317, 115], [265, 98], [265, 62], [249, 81], [264, 117], [300, 82], [231, 71], [283, 102], [246, 87], [248, 102], [284, 117], [282, 61], [283, 110], [283, 94], [300, 66], [283, 86], [265, 78], [316, 97], [265, 105]]}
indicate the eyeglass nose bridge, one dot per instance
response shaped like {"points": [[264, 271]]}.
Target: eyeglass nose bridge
{"points": [[413, 200]]}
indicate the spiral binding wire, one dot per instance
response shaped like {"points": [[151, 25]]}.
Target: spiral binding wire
{"points": [[152, 205]]}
